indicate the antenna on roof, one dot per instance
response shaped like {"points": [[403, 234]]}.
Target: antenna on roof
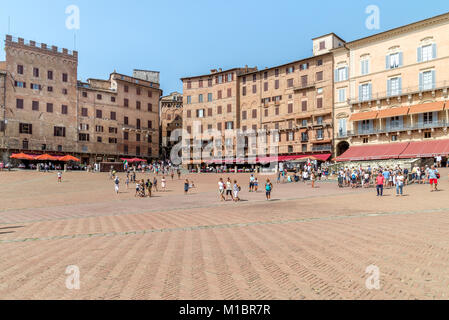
{"points": [[74, 41], [9, 24]]}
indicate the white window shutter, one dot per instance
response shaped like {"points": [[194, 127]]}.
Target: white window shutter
{"points": [[388, 87], [401, 59], [400, 85], [433, 79], [387, 62], [421, 81], [434, 51], [435, 117]]}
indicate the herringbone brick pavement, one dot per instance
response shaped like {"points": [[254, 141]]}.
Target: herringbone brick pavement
{"points": [[306, 244]]}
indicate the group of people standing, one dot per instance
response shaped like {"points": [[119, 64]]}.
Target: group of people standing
{"points": [[143, 188], [230, 190], [306, 174], [383, 178]]}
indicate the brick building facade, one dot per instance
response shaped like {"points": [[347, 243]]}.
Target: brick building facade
{"points": [[211, 107], [171, 110], [45, 109], [292, 103]]}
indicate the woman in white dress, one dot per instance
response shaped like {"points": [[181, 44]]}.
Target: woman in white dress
{"points": [[163, 183]]}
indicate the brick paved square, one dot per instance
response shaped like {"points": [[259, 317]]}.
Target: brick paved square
{"points": [[305, 244]]}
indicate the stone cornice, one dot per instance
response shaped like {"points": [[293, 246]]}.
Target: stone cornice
{"points": [[444, 18]]}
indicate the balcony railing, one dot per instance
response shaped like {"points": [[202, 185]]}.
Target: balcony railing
{"points": [[127, 127], [303, 86], [382, 95], [416, 126], [322, 148]]}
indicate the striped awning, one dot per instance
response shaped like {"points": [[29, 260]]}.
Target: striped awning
{"points": [[393, 112], [427, 107], [370, 115]]}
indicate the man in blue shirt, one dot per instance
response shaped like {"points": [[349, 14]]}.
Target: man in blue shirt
{"points": [[386, 175]]}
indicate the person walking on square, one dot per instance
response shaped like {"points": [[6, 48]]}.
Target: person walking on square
{"points": [[116, 184], [149, 187], [236, 191], [186, 186], [229, 189], [399, 184], [268, 189], [59, 176], [380, 180], [163, 183], [406, 176], [137, 189], [221, 189], [127, 181], [313, 178], [433, 178], [142, 189], [386, 175], [155, 184], [251, 183]]}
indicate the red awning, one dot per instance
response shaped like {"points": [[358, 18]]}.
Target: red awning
{"points": [[374, 152], [426, 149], [271, 159], [267, 159], [46, 157], [69, 158], [320, 157], [22, 156]]}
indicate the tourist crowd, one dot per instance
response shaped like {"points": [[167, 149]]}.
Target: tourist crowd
{"points": [[381, 178]]}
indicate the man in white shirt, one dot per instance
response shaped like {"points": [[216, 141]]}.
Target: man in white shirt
{"points": [[438, 161]]}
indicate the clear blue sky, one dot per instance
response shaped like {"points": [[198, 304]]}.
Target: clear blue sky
{"points": [[183, 38]]}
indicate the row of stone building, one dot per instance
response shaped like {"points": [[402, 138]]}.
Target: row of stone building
{"points": [[380, 97], [45, 109]]}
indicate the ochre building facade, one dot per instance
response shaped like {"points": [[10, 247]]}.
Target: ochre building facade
{"points": [[391, 90]]}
